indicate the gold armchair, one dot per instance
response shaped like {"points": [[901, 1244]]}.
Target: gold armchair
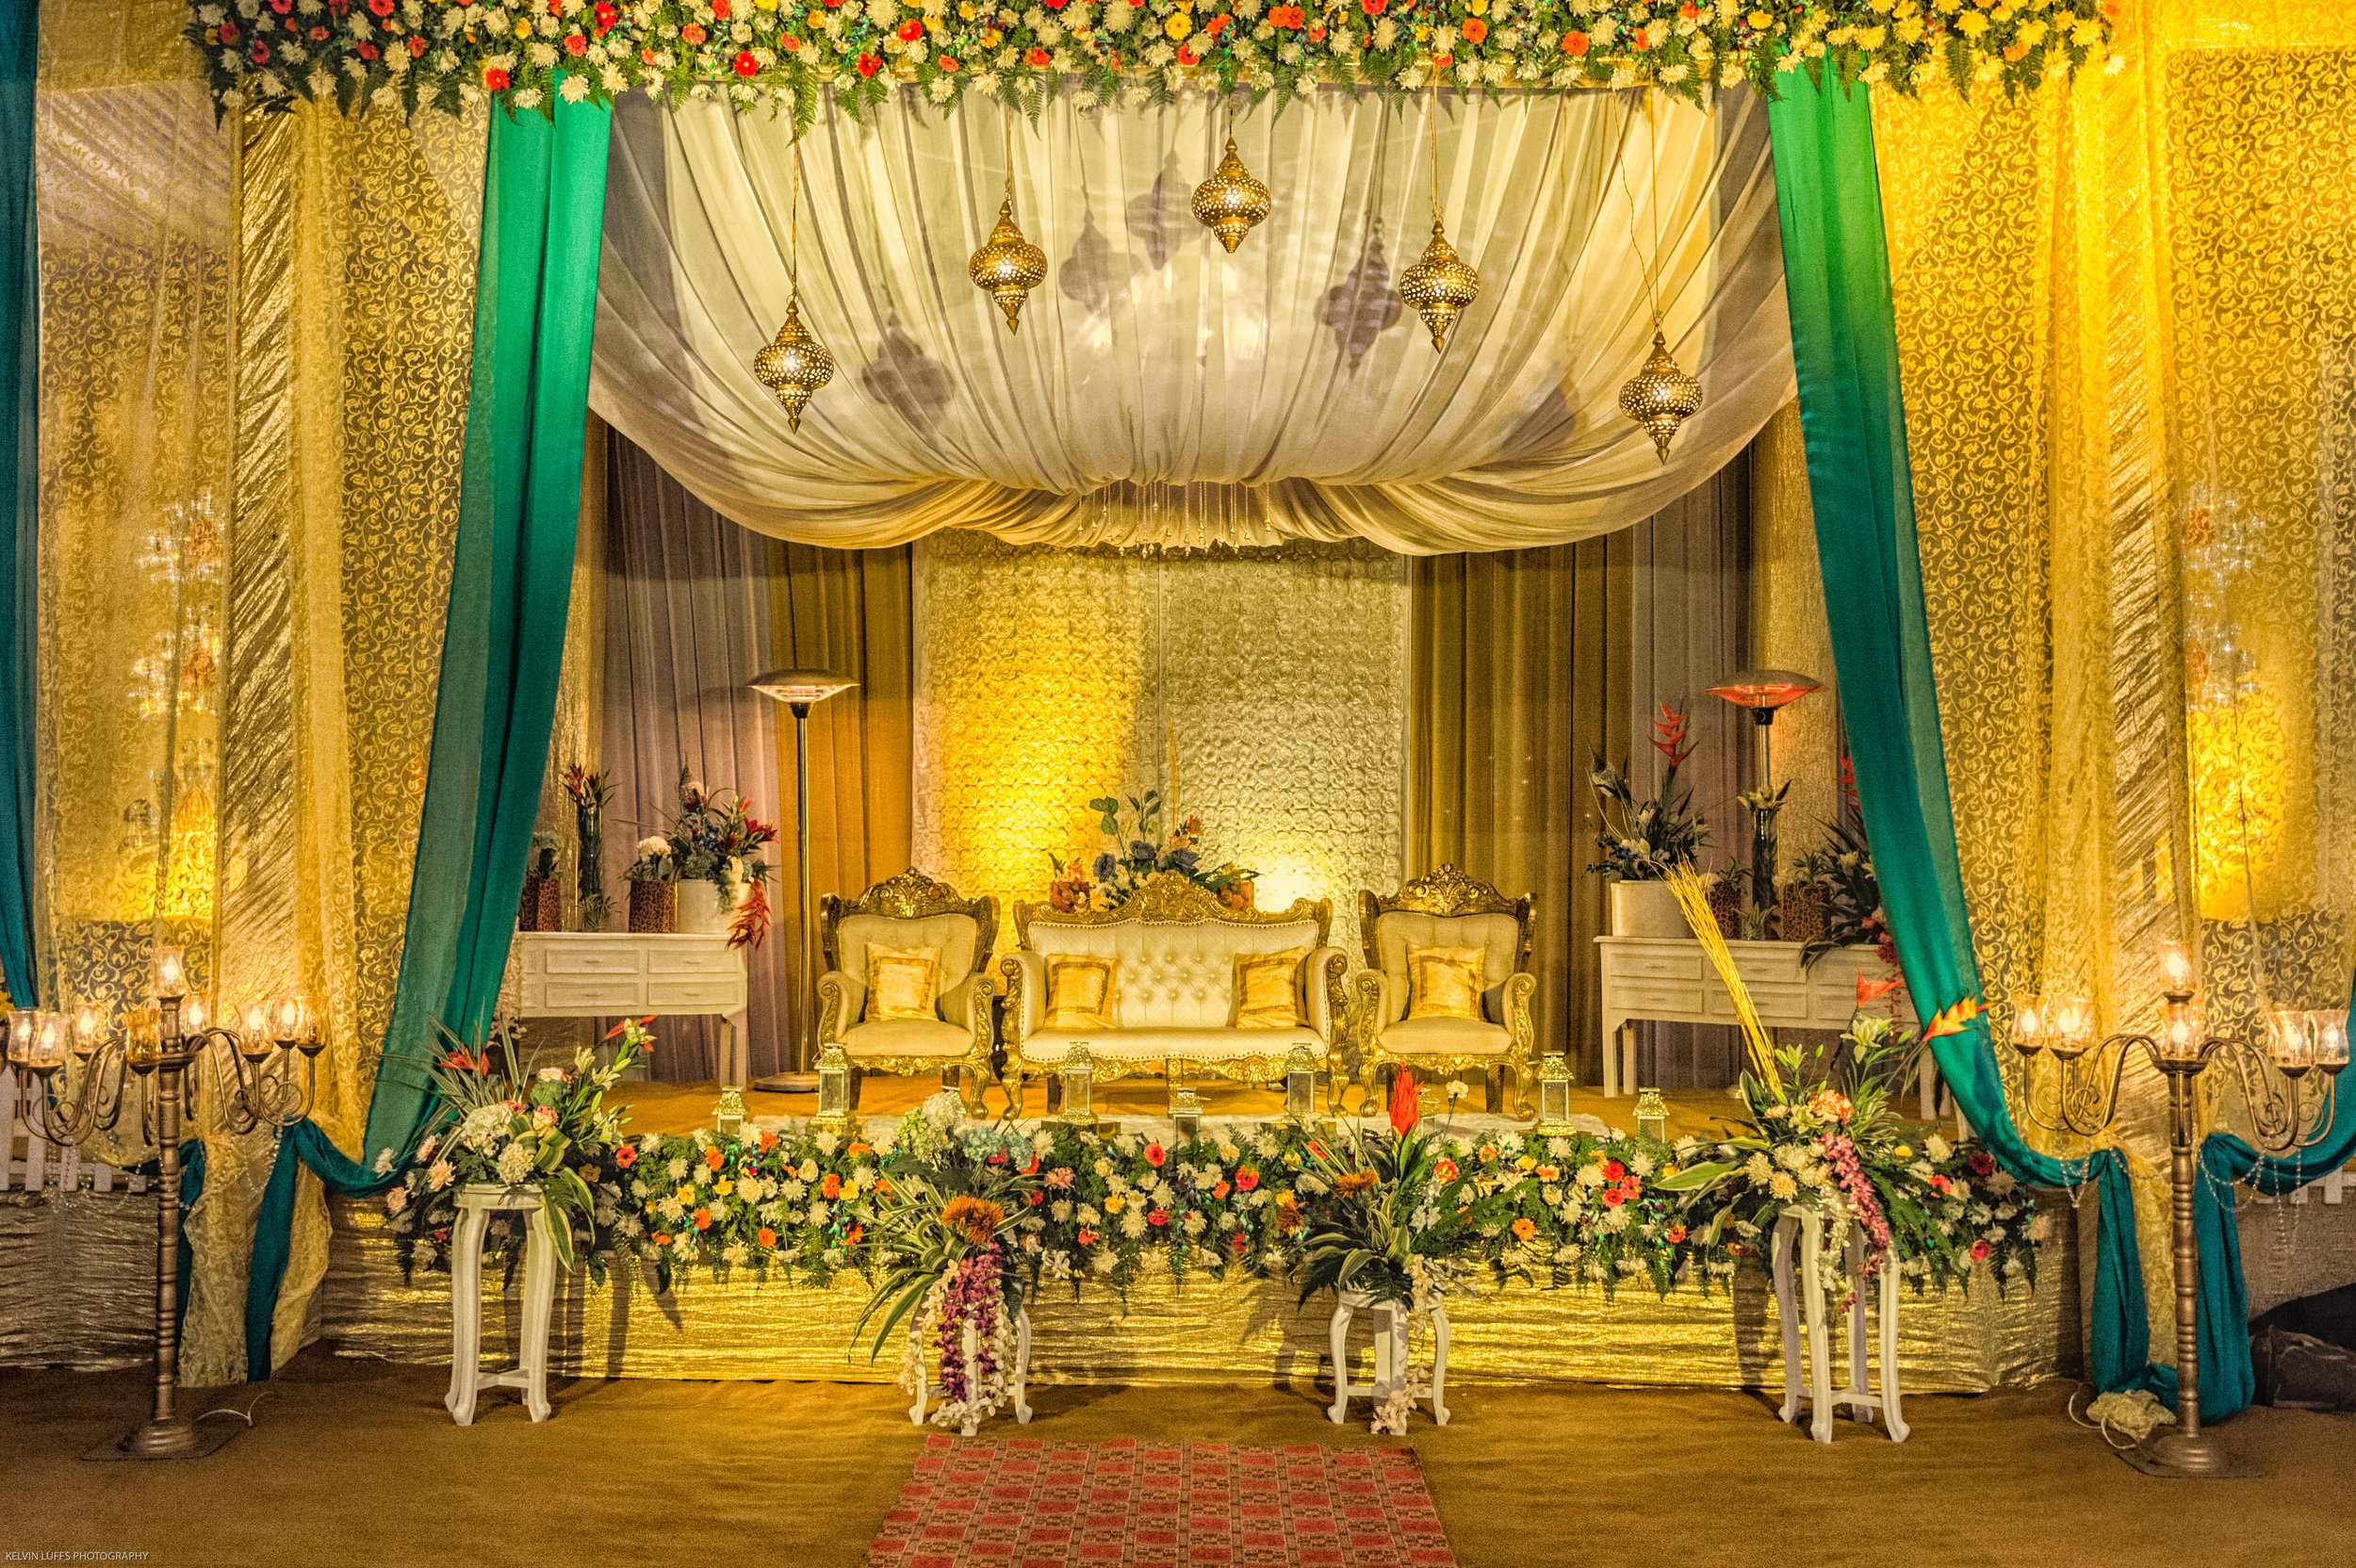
{"points": [[911, 911], [1449, 908]]}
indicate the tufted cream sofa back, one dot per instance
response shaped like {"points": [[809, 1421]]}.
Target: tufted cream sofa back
{"points": [[1176, 975]]}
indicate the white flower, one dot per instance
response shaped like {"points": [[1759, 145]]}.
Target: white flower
{"points": [[396, 1199], [515, 1164], [1104, 1262], [1780, 1185], [385, 1162], [1938, 1147], [440, 1175], [678, 1167], [1194, 1224], [1591, 1174], [1060, 1210]]}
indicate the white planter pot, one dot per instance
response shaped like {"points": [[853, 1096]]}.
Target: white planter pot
{"points": [[1638, 910], [702, 912]]}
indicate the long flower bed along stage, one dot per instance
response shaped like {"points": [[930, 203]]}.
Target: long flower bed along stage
{"points": [[1143, 1256]]}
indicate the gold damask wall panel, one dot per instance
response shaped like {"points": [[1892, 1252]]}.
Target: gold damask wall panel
{"points": [[1047, 676]]}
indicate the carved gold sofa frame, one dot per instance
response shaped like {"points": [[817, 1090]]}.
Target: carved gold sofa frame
{"points": [[912, 910], [1176, 946], [1447, 908]]}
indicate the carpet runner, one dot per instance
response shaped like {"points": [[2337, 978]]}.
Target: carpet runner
{"points": [[1028, 1504]]}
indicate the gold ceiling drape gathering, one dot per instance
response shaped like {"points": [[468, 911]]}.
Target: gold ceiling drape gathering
{"points": [[2124, 313]]}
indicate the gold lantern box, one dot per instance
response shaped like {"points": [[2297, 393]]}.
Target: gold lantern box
{"points": [[1239, 1330]]}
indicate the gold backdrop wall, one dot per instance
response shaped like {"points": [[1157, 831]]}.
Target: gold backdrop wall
{"points": [[1045, 678]]}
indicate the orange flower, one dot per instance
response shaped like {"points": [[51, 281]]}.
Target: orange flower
{"points": [[974, 1219], [1474, 29], [1288, 1214], [703, 1219], [832, 1186], [1955, 1020], [1355, 1181], [1524, 1230], [713, 1158], [766, 1236]]}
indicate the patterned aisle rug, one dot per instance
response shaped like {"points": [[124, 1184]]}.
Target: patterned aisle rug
{"points": [[1027, 1504]]}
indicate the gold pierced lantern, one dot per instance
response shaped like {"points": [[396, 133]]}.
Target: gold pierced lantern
{"points": [[793, 364], [1440, 286], [1661, 398], [1231, 204], [1007, 267]]}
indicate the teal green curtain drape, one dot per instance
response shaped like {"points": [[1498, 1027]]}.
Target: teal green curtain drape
{"points": [[1844, 344], [20, 450], [511, 586]]}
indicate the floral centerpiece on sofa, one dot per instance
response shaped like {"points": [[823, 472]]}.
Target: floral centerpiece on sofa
{"points": [[507, 1120], [1133, 851]]}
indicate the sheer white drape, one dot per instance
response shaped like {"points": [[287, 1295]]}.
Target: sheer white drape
{"points": [[1161, 390]]}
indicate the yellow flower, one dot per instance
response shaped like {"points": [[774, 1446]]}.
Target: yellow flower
{"points": [[1178, 26], [1476, 7], [523, 27], [1526, 1162], [991, 37], [974, 1219], [1112, 1202], [724, 1186], [1761, 22], [965, 10], [764, 5], [1972, 24], [1905, 1152], [686, 1193]]}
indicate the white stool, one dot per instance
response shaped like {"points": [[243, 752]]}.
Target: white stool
{"points": [[973, 1350], [1810, 1224], [476, 1204], [1390, 1354]]}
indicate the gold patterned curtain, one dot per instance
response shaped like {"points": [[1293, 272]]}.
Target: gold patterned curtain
{"points": [[2123, 313], [1519, 677]]}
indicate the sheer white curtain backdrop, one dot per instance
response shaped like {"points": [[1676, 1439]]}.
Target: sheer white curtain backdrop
{"points": [[1162, 390]]}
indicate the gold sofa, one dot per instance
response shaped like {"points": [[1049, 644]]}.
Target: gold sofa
{"points": [[1449, 908], [911, 911], [1175, 946]]}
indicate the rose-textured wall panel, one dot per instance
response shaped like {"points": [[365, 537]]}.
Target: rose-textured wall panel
{"points": [[1045, 677]]}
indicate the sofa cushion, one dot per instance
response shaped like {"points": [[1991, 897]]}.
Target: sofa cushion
{"points": [[901, 982], [1446, 1037], [954, 934], [1179, 974], [1499, 937], [1046, 1047], [905, 1037]]}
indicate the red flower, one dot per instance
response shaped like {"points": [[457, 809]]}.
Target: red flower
{"points": [[228, 29], [852, 1235], [606, 16], [744, 65], [1239, 1242], [1035, 56], [1474, 29], [693, 33], [766, 1236], [1873, 990], [626, 1155], [1088, 1237], [1220, 1190], [1613, 1170], [1443, 61], [381, 7], [575, 44], [1613, 1198], [911, 30], [1981, 1163], [646, 56], [946, 62], [869, 65], [769, 1142], [1246, 1179], [1668, 729], [1676, 1233], [720, 8], [1942, 1185], [1032, 1169], [261, 54], [318, 35], [1955, 1020], [1186, 54], [1159, 1216], [417, 46], [1575, 44], [1155, 1154], [1035, 1198], [368, 51], [1373, 8], [789, 43], [1446, 1169], [1317, 32], [1640, 39], [495, 79], [1979, 1249], [661, 1239], [1686, 12]]}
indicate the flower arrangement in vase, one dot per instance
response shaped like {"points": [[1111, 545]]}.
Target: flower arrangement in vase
{"points": [[949, 1261], [1640, 839], [717, 843], [1134, 850], [509, 1121], [653, 878], [589, 790], [543, 906], [1841, 869]]}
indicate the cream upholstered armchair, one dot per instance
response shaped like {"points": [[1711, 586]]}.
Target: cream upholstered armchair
{"points": [[911, 911], [1449, 910]]}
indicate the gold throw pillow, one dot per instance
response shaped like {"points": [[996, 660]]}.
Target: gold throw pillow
{"points": [[901, 982], [1079, 991], [1267, 989], [1443, 982]]}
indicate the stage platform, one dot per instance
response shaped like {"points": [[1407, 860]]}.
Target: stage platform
{"points": [[1203, 1330]]}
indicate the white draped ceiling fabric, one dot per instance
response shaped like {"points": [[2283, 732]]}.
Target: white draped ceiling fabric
{"points": [[1162, 391]]}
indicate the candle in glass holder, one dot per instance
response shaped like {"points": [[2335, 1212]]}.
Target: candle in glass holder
{"points": [[50, 1034], [2176, 969], [286, 1017], [2030, 1024], [22, 1024], [254, 1031], [2070, 1019], [90, 1026], [2182, 1031], [172, 971], [2330, 1029], [2291, 1039], [194, 1016]]}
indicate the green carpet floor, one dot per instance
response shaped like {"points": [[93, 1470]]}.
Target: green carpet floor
{"points": [[357, 1463]]}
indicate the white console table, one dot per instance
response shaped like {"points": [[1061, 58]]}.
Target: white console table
{"points": [[1670, 980], [617, 974]]}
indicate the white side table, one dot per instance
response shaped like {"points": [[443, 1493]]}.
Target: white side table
{"points": [[1390, 1354], [619, 975], [1809, 1225], [476, 1204], [973, 1352]]}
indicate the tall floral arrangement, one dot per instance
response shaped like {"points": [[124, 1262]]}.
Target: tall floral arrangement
{"points": [[590, 789], [510, 1119], [948, 1260], [1640, 839], [1842, 866], [1134, 849], [716, 839]]}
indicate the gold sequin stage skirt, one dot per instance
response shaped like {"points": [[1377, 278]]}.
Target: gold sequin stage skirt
{"points": [[1240, 1330]]}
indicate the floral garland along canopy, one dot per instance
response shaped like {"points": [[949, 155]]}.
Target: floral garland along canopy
{"points": [[523, 53]]}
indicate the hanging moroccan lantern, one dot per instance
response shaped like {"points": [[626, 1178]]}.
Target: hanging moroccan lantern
{"points": [[793, 364], [1007, 267], [1231, 204], [1440, 286], [1661, 398]]}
